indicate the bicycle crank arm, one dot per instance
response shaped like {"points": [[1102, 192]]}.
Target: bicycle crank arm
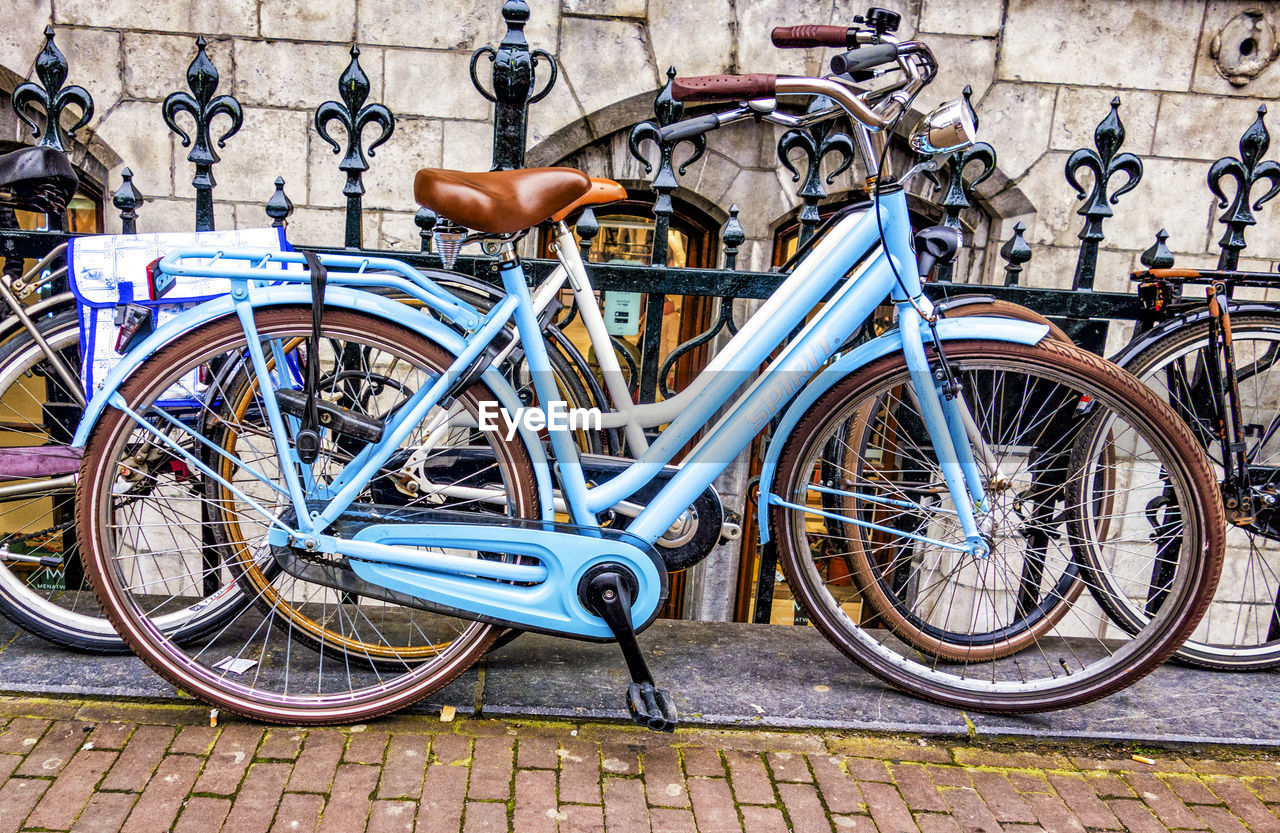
{"points": [[528, 575]]}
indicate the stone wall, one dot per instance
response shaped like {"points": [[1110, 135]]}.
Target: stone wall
{"points": [[1042, 72]]}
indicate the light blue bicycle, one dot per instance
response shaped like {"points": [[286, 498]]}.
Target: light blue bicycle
{"points": [[367, 478]]}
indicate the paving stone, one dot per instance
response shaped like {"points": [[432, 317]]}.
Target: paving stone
{"points": [[763, 820], [63, 801], [55, 749], [970, 810], [1237, 768], [194, 740], [1080, 796], [281, 745], [229, 759], [949, 776], [887, 808], [713, 808], [788, 766], [1136, 816], [1107, 785], [443, 791], [700, 761], [1241, 801], [106, 813], [1001, 797], [451, 749], [1167, 806], [1014, 760], [392, 817], [803, 807], [581, 818], [1221, 821], [671, 820], [17, 798], [298, 813], [624, 805], [838, 789], [620, 759], [491, 769], [255, 804], [1027, 782], [934, 823], [1191, 789], [158, 806], [204, 814], [111, 735], [140, 757], [366, 747], [917, 790], [579, 772], [8, 763], [318, 761], [663, 780], [535, 801], [866, 769], [854, 824], [537, 753], [485, 817], [749, 778], [1053, 815], [887, 749], [405, 767]]}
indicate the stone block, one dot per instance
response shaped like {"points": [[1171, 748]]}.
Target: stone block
{"points": [[1016, 120], [326, 226], [267, 145], [436, 84], [558, 111], [977, 17], [843, 12], [1141, 43], [136, 131], [606, 49], [961, 61], [389, 181], [398, 231], [1207, 77], [675, 27], [1080, 109], [607, 8], [756, 52], [1172, 195], [23, 36], [468, 146], [309, 20], [299, 75], [1053, 267], [156, 65], [1203, 127], [762, 197], [225, 17], [180, 215], [433, 25]]}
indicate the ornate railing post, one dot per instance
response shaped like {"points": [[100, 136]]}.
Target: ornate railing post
{"points": [[1247, 171], [1016, 252], [127, 199], [513, 79], [425, 219], [668, 111], [814, 143], [732, 236], [354, 116], [204, 107], [279, 206], [51, 69], [958, 194], [1104, 163]]}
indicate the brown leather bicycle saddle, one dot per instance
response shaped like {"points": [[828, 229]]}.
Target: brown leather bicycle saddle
{"points": [[498, 202]]}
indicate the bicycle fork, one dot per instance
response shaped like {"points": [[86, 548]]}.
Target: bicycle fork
{"points": [[950, 425]]}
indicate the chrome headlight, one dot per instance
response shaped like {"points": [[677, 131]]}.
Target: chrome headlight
{"points": [[949, 128]]}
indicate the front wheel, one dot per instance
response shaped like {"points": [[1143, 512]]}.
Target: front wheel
{"points": [[1039, 410]]}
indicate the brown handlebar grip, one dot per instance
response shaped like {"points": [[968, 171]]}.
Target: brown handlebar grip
{"points": [[803, 37], [723, 87]]}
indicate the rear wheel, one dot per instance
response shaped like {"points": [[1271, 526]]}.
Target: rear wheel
{"points": [[310, 650], [1039, 410]]}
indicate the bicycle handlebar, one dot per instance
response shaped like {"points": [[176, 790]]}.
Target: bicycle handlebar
{"points": [[804, 37], [723, 87], [864, 57]]}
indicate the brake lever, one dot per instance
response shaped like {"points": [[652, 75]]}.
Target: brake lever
{"points": [[928, 167]]}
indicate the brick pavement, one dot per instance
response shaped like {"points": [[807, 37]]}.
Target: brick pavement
{"points": [[95, 767]]}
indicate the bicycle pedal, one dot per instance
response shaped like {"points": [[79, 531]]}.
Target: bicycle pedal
{"points": [[651, 707]]}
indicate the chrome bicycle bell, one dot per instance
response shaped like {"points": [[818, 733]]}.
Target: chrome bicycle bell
{"points": [[949, 128]]}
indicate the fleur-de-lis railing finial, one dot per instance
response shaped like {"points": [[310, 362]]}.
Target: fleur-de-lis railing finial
{"points": [[354, 116], [733, 236], [587, 227], [1103, 163], [814, 143], [957, 191], [1247, 171], [127, 199], [1158, 256], [1016, 252], [667, 111], [514, 77], [51, 69], [279, 206], [204, 107]]}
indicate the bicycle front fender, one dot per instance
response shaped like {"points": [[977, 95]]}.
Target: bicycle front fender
{"points": [[335, 296], [954, 329]]}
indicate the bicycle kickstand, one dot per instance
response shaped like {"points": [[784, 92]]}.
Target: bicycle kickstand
{"points": [[608, 594]]}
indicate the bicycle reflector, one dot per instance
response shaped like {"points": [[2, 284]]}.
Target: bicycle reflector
{"points": [[158, 283]]}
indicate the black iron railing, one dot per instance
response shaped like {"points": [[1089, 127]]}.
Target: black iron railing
{"points": [[519, 77]]}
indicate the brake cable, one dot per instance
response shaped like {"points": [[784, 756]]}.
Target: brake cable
{"points": [[308, 436]]}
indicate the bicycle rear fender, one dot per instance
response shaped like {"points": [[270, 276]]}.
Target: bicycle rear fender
{"points": [[335, 296], [949, 329], [1186, 319]]}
